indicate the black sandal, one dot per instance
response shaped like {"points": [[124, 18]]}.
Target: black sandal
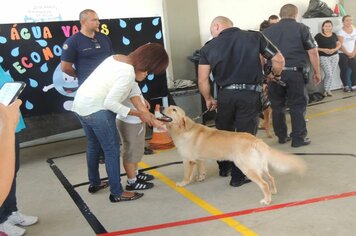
{"points": [[115, 198], [94, 189]]}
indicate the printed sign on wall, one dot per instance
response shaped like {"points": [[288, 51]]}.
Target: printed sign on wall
{"points": [[30, 52]]}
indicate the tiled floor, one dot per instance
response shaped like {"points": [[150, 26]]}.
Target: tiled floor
{"points": [[321, 203]]}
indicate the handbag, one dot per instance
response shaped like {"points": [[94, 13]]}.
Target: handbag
{"points": [[318, 8]]}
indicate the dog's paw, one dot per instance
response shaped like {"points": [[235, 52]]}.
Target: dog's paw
{"points": [[274, 191], [181, 184], [201, 177], [265, 202]]}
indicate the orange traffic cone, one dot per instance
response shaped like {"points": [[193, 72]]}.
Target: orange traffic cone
{"points": [[160, 138]]}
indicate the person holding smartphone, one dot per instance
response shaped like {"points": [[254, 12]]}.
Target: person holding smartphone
{"points": [[9, 213], [9, 117]]}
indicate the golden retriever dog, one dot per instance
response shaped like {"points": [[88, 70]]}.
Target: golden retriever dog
{"points": [[196, 142]]}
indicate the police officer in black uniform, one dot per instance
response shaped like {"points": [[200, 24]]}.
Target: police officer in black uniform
{"points": [[295, 42], [233, 57]]}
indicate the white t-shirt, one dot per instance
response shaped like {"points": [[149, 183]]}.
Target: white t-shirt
{"points": [[349, 40], [135, 91], [105, 89]]}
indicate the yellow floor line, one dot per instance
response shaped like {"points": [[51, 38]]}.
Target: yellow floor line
{"points": [[331, 111], [208, 207], [243, 230]]}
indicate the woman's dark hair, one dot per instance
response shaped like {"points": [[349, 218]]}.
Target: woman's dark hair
{"points": [[325, 22], [151, 57], [273, 17], [264, 25], [344, 17]]}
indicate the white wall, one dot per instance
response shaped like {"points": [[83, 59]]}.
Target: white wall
{"points": [[69, 9], [245, 14]]}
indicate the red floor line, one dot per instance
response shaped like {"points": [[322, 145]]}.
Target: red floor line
{"points": [[230, 214]]}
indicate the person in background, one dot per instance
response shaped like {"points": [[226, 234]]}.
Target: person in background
{"points": [[295, 42], [10, 216], [347, 53], [233, 58], [328, 46], [98, 101], [132, 133], [264, 25], [84, 51], [273, 19]]}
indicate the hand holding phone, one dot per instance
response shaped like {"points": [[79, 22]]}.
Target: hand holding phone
{"points": [[10, 92], [9, 116]]}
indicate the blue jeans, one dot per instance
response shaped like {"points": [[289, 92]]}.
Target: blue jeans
{"points": [[10, 203], [100, 130]]}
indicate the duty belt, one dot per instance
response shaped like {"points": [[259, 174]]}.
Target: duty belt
{"points": [[293, 69], [249, 87]]}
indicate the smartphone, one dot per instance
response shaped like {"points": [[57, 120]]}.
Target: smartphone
{"points": [[10, 91]]}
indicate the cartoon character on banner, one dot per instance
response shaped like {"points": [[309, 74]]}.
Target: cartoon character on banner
{"points": [[65, 84]]}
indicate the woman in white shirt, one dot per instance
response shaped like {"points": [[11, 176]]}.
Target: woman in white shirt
{"points": [[347, 53], [98, 101]]}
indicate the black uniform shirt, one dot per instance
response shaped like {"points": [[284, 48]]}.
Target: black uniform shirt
{"points": [[234, 57], [291, 38]]}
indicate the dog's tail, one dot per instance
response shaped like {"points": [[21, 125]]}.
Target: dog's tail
{"points": [[285, 163]]}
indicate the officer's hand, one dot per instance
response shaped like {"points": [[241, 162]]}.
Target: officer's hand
{"points": [[317, 78], [211, 104]]}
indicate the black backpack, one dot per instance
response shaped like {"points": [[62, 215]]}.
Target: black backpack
{"points": [[318, 8]]}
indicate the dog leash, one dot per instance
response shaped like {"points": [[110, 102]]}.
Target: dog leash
{"points": [[201, 115]]}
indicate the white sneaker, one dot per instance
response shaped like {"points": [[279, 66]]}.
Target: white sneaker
{"points": [[11, 230], [17, 218]]}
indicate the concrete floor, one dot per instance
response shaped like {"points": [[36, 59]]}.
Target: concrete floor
{"points": [[321, 203]]}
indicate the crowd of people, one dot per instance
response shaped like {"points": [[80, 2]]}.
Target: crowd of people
{"points": [[109, 95]]}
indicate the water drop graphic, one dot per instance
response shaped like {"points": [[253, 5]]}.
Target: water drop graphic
{"points": [[150, 76], [15, 52], [42, 43], [138, 27], [33, 83], [28, 105], [3, 40], [159, 35], [123, 24], [155, 21], [125, 40], [68, 105], [144, 89], [44, 68]]}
